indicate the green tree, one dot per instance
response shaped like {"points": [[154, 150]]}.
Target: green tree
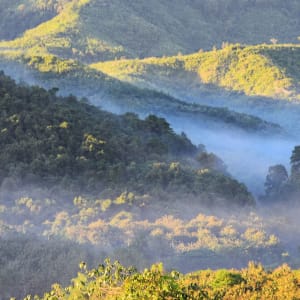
{"points": [[276, 179], [295, 166]]}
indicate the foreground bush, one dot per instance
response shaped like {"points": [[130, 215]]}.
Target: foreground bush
{"points": [[114, 281]]}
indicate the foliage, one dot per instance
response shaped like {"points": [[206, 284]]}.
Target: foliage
{"points": [[295, 166], [250, 283], [46, 236], [52, 234], [279, 185], [36, 263]]}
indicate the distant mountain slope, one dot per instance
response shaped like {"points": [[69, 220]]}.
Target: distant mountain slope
{"points": [[264, 70], [92, 30], [114, 95]]}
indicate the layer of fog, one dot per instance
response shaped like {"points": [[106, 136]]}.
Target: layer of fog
{"points": [[56, 260], [282, 112], [247, 155]]}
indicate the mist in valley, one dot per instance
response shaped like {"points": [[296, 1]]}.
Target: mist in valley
{"points": [[247, 155], [157, 174]]}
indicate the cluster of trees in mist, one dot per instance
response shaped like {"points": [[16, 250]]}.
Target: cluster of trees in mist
{"points": [[280, 186], [47, 237]]}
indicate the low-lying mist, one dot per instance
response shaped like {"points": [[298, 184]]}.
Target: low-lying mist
{"points": [[246, 155]]}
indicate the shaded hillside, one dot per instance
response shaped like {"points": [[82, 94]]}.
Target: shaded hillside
{"points": [[17, 16], [60, 141], [92, 30]]}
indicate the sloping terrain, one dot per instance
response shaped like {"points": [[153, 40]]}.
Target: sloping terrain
{"points": [[264, 70]]}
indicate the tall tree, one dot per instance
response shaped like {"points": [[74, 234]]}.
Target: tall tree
{"points": [[276, 179], [295, 166]]}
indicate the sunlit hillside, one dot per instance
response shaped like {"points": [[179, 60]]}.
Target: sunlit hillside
{"points": [[264, 70]]}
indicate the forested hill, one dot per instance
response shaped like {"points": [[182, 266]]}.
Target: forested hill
{"points": [[91, 30], [52, 140]]}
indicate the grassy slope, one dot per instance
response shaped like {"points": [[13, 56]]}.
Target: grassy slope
{"points": [[264, 70], [101, 30]]}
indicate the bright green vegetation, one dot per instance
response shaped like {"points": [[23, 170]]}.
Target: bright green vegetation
{"points": [[92, 30], [62, 141], [264, 70], [113, 281]]}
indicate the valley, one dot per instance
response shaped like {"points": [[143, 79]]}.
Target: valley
{"points": [[161, 134]]}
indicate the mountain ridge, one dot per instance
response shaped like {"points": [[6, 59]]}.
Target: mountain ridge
{"points": [[103, 30], [113, 94]]}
